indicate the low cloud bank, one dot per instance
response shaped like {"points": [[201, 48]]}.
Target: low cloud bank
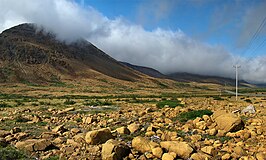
{"points": [[166, 50]]}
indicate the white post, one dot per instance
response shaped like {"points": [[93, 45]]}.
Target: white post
{"points": [[236, 66]]}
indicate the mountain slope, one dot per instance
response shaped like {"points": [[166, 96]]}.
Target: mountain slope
{"points": [[187, 77], [29, 53], [145, 70]]}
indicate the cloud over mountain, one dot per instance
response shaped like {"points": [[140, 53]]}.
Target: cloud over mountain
{"points": [[165, 50]]}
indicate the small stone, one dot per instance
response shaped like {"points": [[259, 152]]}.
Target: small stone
{"points": [[167, 156], [149, 155], [212, 132], [239, 151], [89, 120], [133, 127], [123, 130], [226, 156], [66, 110], [15, 130], [157, 152], [209, 150], [59, 129], [75, 130], [221, 133], [150, 133]]}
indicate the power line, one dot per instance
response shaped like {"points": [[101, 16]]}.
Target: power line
{"points": [[255, 35], [257, 48]]}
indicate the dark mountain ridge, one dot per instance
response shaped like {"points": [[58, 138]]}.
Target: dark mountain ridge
{"points": [[145, 70], [185, 77]]}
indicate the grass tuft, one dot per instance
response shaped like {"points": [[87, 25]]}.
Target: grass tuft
{"points": [[185, 116], [8, 153], [170, 103]]}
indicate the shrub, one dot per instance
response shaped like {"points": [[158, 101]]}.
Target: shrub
{"points": [[170, 103], [185, 116], [9, 153], [217, 98], [69, 102], [248, 100], [4, 105], [21, 119]]}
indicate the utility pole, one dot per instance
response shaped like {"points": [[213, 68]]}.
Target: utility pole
{"points": [[236, 67]]}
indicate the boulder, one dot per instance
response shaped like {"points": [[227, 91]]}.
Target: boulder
{"points": [[143, 145], [98, 136], [209, 150], [249, 109], [227, 121], [114, 150], [182, 149], [33, 145]]}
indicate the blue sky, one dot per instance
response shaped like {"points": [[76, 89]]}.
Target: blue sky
{"points": [[216, 22]]}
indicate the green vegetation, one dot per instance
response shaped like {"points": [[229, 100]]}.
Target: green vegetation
{"points": [[53, 158], [217, 98], [4, 105], [19, 118], [222, 139], [13, 96], [69, 102], [170, 103], [248, 100], [8, 153], [190, 115]]}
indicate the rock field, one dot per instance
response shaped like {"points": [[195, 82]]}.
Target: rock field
{"points": [[141, 131]]}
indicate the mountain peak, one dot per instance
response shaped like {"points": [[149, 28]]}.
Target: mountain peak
{"points": [[32, 53]]}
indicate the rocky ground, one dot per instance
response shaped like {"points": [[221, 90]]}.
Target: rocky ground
{"points": [[198, 129]]}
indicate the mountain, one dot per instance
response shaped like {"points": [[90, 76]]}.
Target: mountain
{"points": [[145, 70], [188, 77], [185, 77], [29, 53]]}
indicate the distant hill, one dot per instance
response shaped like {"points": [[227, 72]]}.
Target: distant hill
{"points": [[188, 77], [31, 54], [145, 70], [185, 77]]}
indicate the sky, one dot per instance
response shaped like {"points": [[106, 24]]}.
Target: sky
{"points": [[197, 36]]}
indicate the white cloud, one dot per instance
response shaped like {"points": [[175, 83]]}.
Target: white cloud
{"points": [[165, 50]]}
